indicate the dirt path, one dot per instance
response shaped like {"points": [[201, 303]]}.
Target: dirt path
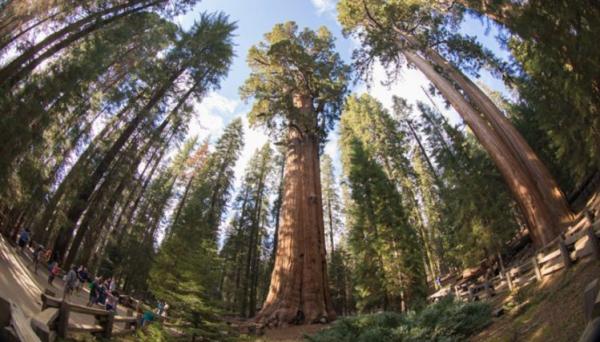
{"points": [[292, 333], [554, 313], [20, 284]]}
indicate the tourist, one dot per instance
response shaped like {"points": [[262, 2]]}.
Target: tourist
{"points": [[147, 317], [101, 292], [47, 256], [37, 257], [82, 276], [112, 298], [165, 309], [112, 285], [93, 292], [160, 308], [70, 282], [54, 271], [24, 238]]}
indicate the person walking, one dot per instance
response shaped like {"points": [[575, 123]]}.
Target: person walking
{"points": [[24, 238], [112, 298], [70, 282], [93, 292], [54, 271], [37, 257], [82, 277]]}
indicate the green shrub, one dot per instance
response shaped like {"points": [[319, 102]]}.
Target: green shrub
{"points": [[445, 321]]}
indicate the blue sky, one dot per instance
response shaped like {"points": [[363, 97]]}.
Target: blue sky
{"points": [[256, 17]]}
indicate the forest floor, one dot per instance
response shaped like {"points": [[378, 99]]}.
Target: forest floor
{"points": [[20, 284], [552, 310], [292, 333]]}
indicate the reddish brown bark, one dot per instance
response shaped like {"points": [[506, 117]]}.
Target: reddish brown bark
{"points": [[553, 196], [299, 292], [537, 212]]}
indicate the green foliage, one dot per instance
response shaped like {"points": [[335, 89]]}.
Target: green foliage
{"points": [[153, 333], [186, 270], [291, 63], [446, 320], [477, 211], [246, 267], [378, 228]]}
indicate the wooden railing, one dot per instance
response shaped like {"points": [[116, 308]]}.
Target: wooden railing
{"points": [[54, 319], [591, 309], [576, 243], [14, 326]]}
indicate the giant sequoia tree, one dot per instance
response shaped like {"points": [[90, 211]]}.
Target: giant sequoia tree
{"points": [[414, 32], [298, 84]]}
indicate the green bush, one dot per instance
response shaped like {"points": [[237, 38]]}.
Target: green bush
{"points": [[445, 321]]}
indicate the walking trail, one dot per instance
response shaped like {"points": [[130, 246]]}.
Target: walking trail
{"points": [[21, 285]]}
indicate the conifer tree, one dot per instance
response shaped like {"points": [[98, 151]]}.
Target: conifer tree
{"points": [[416, 32], [298, 84], [379, 234], [186, 270]]}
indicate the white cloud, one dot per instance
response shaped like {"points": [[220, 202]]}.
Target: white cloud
{"points": [[254, 138], [324, 6], [209, 115]]}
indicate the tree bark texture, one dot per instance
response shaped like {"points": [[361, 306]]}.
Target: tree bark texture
{"points": [[537, 212], [299, 292]]}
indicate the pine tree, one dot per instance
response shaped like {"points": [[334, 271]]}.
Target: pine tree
{"points": [[391, 30], [205, 67], [242, 251], [187, 267], [379, 235]]}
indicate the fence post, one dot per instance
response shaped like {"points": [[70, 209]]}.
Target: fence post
{"points": [[471, 294], [108, 325], [593, 240], [564, 252], [508, 280], [63, 319], [589, 217], [488, 289], [536, 267]]}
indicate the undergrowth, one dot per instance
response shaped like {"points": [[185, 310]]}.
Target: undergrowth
{"points": [[444, 321]]}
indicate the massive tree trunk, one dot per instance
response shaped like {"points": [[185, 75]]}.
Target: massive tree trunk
{"points": [[299, 292], [536, 211], [553, 196]]}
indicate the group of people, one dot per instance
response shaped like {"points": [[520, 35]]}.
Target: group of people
{"points": [[149, 316], [104, 292]]}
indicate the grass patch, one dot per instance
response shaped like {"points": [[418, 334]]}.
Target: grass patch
{"points": [[446, 321]]}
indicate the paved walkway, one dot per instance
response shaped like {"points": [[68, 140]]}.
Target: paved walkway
{"points": [[20, 284]]}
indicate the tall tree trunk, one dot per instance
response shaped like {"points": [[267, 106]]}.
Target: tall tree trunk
{"points": [[277, 213], [423, 151], [299, 291], [517, 177], [330, 215], [86, 190], [553, 196], [27, 61]]}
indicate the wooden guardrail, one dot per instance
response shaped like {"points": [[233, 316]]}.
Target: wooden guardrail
{"points": [[576, 243], [55, 319], [591, 309], [14, 326]]}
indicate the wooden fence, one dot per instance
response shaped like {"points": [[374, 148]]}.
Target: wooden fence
{"points": [[54, 320], [577, 242]]}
